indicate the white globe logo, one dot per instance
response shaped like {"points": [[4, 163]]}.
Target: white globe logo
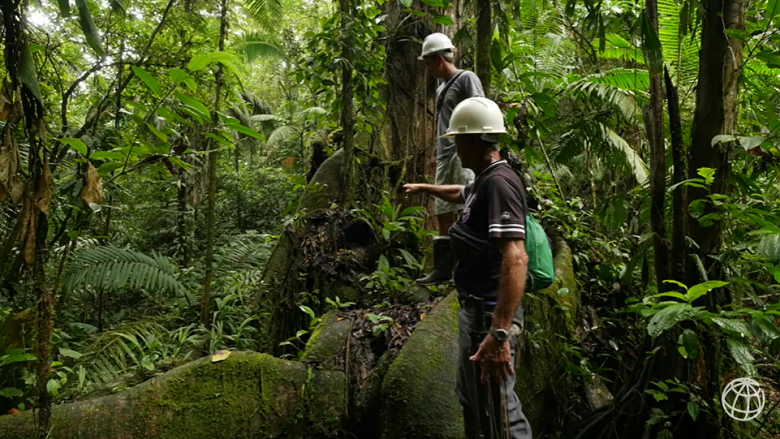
{"points": [[743, 399]]}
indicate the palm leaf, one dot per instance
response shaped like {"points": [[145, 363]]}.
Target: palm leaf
{"points": [[281, 135], [633, 160], [680, 51], [266, 12], [618, 87], [254, 46]]}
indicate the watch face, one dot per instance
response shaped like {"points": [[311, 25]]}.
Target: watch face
{"points": [[500, 334]]}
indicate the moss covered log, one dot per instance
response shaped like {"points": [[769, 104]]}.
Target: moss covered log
{"points": [[418, 393], [248, 395]]}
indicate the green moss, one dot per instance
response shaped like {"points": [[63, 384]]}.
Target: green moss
{"points": [[326, 344], [246, 395], [418, 392]]}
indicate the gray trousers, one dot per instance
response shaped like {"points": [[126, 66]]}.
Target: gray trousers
{"points": [[467, 385]]}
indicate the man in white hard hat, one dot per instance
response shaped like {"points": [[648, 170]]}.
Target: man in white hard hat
{"points": [[489, 243], [438, 55]]}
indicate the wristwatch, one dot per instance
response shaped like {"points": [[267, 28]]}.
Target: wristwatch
{"points": [[499, 334]]}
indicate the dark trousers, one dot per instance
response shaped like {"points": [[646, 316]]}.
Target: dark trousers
{"points": [[468, 382]]}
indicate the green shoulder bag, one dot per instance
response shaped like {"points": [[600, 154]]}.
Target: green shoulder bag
{"points": [[541, 271]]}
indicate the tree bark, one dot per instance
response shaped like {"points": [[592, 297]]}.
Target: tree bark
{"points": [[655, 135], [679, 198], [347, 116], [720, 75], [484, 37], [213, 157]]}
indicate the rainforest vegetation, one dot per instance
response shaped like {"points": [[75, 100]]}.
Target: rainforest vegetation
{"points": [[197, 196]]}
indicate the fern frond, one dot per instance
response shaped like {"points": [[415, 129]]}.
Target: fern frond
{"points": [[110, 354], [618, 47], [258, 105], [112, 268], [247, 252], [680, 51]]}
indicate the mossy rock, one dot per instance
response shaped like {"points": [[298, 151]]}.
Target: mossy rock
{"points": [[418, 392], [248, 395]]}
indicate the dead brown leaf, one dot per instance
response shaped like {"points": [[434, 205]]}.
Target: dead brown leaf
{"points": [[29, 216], [93, 190], [43, 194], [10, 165]]}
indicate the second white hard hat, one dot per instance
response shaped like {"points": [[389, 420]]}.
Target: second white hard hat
{"points": [[436, 42], [476, 116]]}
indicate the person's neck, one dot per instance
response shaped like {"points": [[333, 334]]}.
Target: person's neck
{"points": [[488, 159], [449, 71]]}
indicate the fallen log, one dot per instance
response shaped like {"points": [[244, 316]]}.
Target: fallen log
{"points": [[247, 395]]}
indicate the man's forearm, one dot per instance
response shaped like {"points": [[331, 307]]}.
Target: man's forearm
{"points": [[514, 269], [450, 193]]}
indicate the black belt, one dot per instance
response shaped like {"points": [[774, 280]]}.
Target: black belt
{"points": [[472, 302]]}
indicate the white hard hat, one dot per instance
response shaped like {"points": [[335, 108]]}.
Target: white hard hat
{"points": [[476, 116], [434, 43]]}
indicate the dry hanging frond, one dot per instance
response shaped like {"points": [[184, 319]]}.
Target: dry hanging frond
{"points": [[93, 190]]}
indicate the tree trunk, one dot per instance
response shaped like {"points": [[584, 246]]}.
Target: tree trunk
{"points": [[347, 116], [655, 135], [213, 157], [720, 75], [679, 200], [484, 37]]}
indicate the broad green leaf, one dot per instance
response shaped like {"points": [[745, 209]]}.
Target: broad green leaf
{"points": [[741, 354], [89, 29], [651, 46], [219, 139], [307, 310], [225, 58], [772, 9], [76, 144], [675, 295], [16, 358], [671, 281], [147, 363], [107, 155], [751, 142], [763, 329], [179, 76], [160, 135], [11, 392], [691, 343], [64, 7], [248, 131], [117, 6], [707, 173], [195, 104], [170, 116], [149, 80], [668, 317], [199, 62], [27, 73], [701, 289], [407, 3], [70, 353], [693, 410], [723, 138], [736, 327], [107, 168], [769, 247], [53, 386]]}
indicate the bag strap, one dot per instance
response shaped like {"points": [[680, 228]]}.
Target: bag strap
{"points": [[444, 90]]}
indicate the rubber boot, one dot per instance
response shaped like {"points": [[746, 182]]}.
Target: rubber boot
{"points": [[442, 264]]}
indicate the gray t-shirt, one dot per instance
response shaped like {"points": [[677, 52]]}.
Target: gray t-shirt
{"points": [[464, 86]]}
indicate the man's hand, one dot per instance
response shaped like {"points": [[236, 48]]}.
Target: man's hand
{"points": [[496, 359], [411, 188]]}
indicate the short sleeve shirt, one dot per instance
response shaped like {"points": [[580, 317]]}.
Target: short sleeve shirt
{"points": [[495, 207], [459, 88]]}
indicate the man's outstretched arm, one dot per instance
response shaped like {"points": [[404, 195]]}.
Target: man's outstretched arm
{"points": [[452, 193]]}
